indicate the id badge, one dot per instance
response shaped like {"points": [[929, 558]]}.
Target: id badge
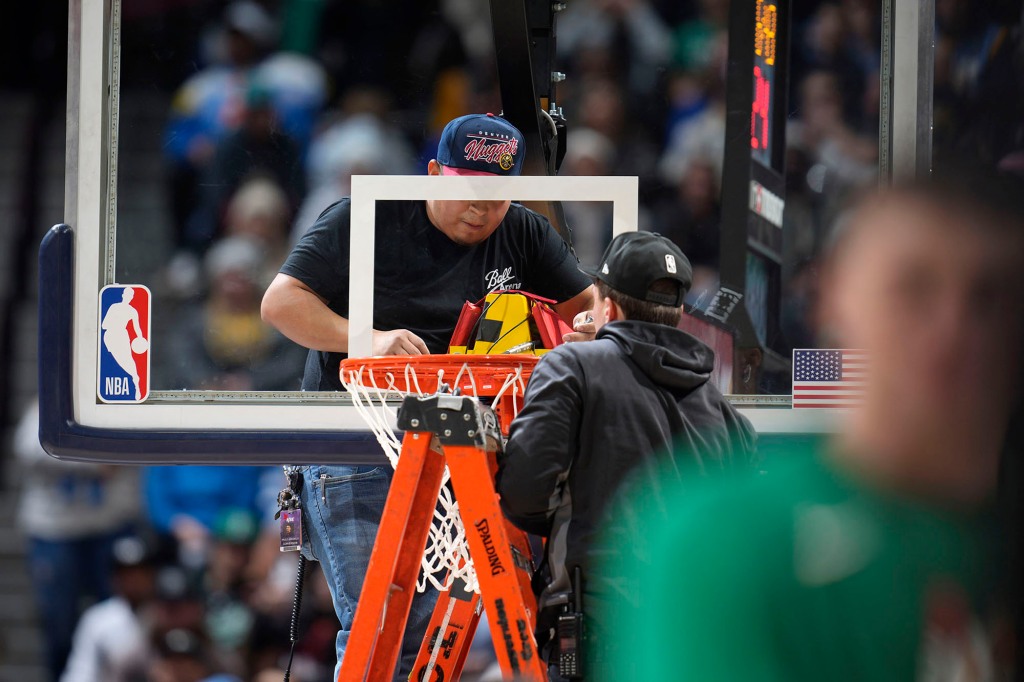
{"points": [[291, 530]]}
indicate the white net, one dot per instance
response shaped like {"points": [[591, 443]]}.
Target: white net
{"points": [[376, 395]]}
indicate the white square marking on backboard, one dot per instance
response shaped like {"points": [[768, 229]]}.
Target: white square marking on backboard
{"points": [[369, 189]]}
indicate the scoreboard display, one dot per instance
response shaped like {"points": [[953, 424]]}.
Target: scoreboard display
{"points": [[753, 177], [763, 105]]}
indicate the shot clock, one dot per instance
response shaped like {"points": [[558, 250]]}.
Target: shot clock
{"points": [[753, 177], [765, 54]]}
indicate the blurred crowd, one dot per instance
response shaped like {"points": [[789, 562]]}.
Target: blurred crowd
{"points": [[165, 574], [276, 105]]}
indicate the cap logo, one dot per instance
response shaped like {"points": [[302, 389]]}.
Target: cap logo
{"points": [[670, 263], [501, 152], [604, 269]]}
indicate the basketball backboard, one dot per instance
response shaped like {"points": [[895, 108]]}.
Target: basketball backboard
{"points": [[188, 423]]}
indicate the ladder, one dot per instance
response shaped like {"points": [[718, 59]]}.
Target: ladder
{"points": [[464, 434]]}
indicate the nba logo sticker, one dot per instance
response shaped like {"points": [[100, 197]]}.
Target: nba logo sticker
{"points": [[124, 344]]}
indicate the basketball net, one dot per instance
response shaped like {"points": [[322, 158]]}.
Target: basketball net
{"points": [[377, 386]]}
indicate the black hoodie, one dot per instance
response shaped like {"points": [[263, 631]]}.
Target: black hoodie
{"points": [[595, 411]]}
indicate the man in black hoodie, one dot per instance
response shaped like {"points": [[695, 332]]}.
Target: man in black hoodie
{"points": [[594, 412]]}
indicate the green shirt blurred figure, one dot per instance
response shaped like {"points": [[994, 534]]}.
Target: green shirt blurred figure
{"points": [[872, 555], [805, 574]]}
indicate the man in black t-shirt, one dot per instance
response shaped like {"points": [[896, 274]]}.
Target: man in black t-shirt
{"points": [[422, 278], [431, 257]]}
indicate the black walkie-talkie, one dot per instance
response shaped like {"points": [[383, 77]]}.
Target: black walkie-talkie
{"points": [[570, 633]]}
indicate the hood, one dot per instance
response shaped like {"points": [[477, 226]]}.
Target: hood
{"points": [[669, 356]]}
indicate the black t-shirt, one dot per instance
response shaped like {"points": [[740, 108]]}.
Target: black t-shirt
{"points": [[422, 278]]}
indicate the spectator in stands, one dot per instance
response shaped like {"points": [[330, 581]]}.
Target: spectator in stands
{"points": [[72, 513], [211, 103], [696, 116], [229, 618], [630, 32], [360, 143], [268, 647], [862, 19], [221, 343], [848, 158], [111, 641], [257, 149], [825, 45], [605, 108], [978, 72], [473, 23], [588, 152], [367, 116], [183, 504], [690, 216], [183, 656], [179, 604], [695, 41], [260, 212], [284, 90]]}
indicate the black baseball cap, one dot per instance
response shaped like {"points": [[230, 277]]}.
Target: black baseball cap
{"points": [[636, 260], [481, 143]]}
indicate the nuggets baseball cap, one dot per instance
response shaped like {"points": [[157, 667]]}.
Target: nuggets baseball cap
{"points": [[481, 143], [636, 260]]}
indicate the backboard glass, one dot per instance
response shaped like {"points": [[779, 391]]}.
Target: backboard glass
{"points": [[194, 425]]}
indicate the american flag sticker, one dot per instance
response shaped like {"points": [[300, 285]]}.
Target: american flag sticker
{"points": [[832, 378]]}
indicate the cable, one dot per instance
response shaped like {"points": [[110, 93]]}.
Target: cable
{"points": [[483, 313], [516, 326], [300, 577], [551, 122]]}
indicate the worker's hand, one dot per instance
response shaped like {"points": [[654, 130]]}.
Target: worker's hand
{"points": [[398, 342], [583, 328]]}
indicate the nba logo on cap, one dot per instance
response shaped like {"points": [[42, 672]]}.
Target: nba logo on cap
{"points": [[124, 344]]}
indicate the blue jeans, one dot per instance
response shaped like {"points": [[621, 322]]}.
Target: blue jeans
{"points": [[341, 509]]}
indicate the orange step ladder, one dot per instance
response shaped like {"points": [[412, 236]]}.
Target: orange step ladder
{"points": [[459, 431]]}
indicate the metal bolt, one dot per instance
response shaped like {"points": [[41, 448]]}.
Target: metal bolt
{"points": [[466, 417], [414, 422], [471, 433], [558, 6], [557, 76], [444, 417], [447, 432]]}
